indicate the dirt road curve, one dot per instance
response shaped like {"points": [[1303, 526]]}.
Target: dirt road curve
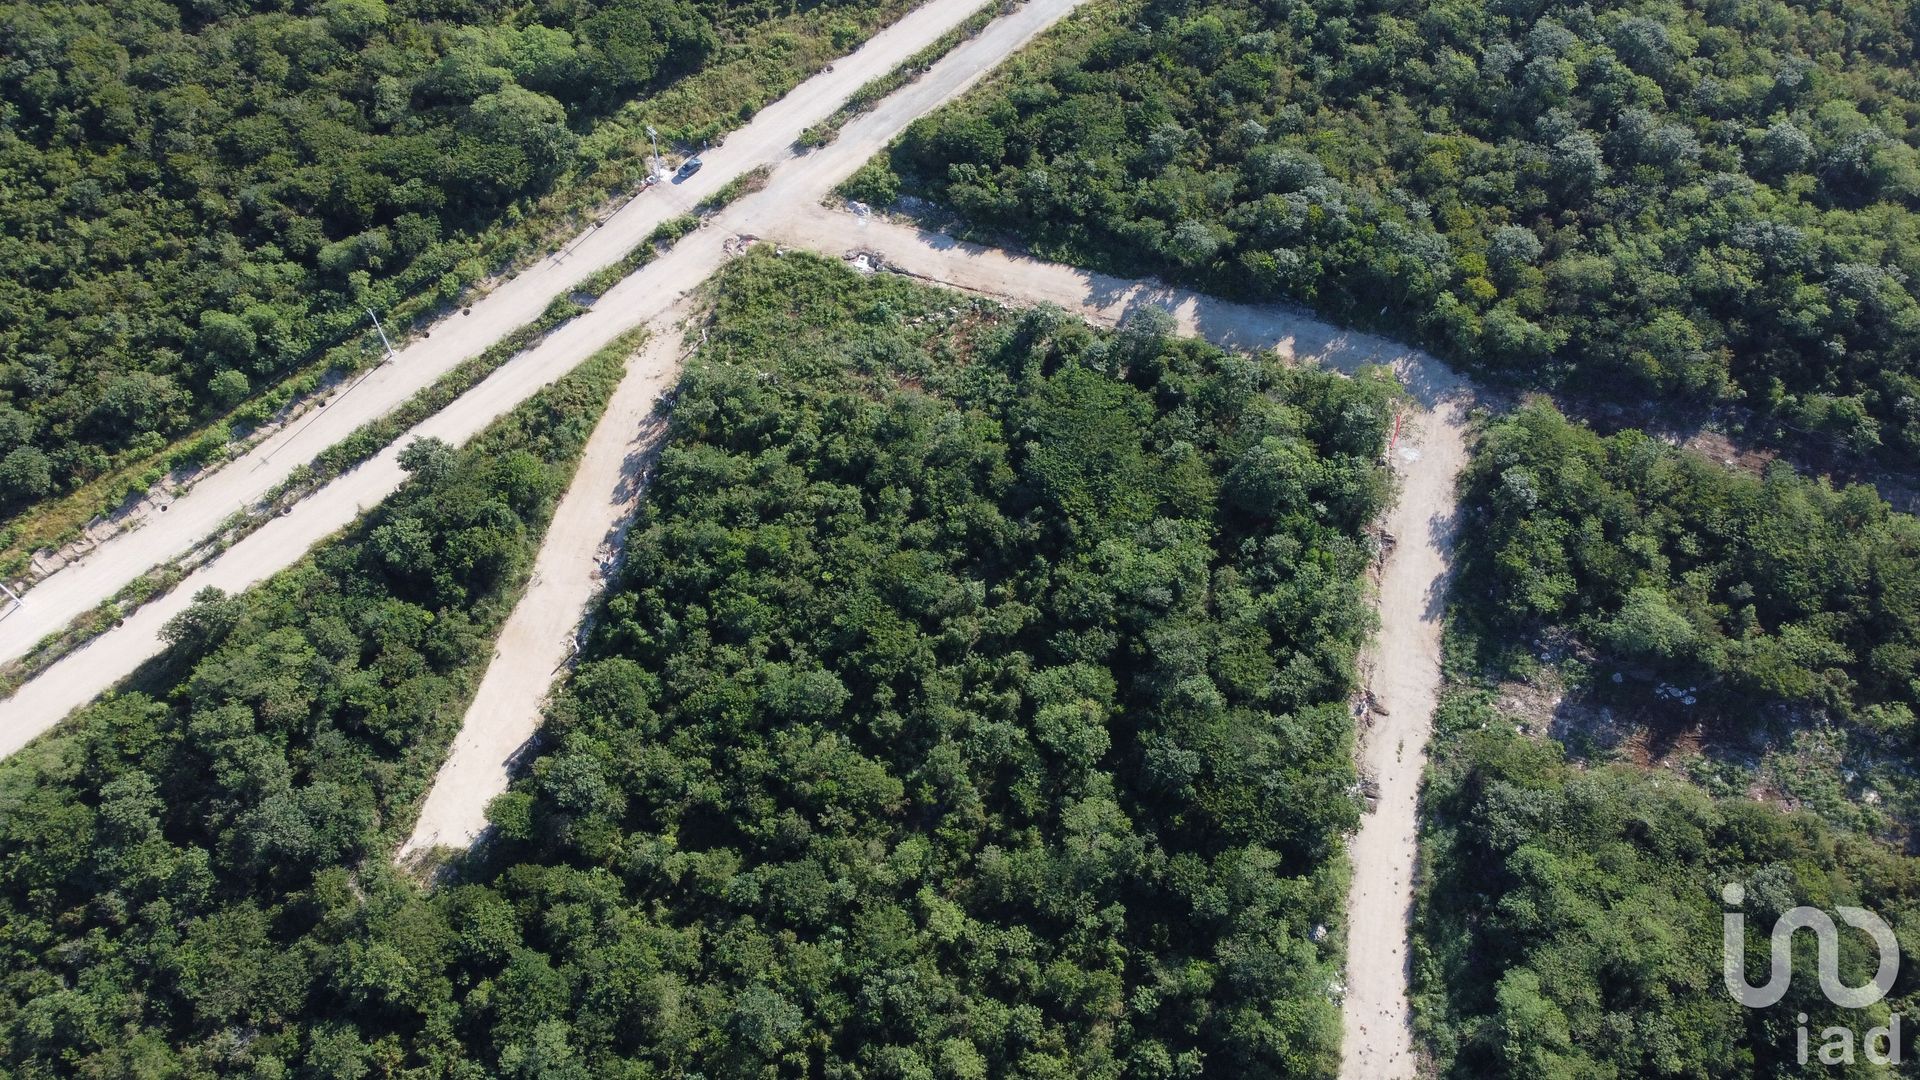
{"points": [[57, 600], [1405, 656], [793, 191], [1020, 280], [1428, 457], [581, 545]]}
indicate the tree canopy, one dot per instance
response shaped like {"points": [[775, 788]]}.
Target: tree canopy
{"points": [[1570, 921], [973, 703], [1681, 201], [198, 198]]}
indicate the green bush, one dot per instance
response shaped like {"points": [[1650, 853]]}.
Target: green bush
{"points": [[1704, 202], [1761, 589]]}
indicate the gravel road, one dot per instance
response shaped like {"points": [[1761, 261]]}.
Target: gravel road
{"points": [[190, 519], [794, 190], [1404, 657], [1405, 662]]}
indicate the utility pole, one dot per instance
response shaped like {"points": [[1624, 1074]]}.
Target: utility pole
{"points": [[14, 596], [654, 137], [383, 332]]}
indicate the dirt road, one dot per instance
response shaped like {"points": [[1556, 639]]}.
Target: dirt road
{"points": [[1018, 279], [537, 639], [582, 544], [767, 139], [793, 190], [1427, 459], [1405, 657]]}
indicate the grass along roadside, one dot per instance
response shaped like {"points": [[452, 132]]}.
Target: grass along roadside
{"points": [[335, 460], [755, 66], [754, 179], [373, 436], [273, 823], [865, 98]]}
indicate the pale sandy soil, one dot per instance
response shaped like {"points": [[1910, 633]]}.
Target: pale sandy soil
{"points": [[582, 546], [1404, 658], [1406, 681], [191, 518], [794, 189]]}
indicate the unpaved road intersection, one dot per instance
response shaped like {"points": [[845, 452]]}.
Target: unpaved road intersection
{"points": [[534, 645]]}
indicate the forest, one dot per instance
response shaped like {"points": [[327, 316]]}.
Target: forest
{"points": [[975, 697], [1569, 925], [194, 871], [973, 703], [1775, 588], [1711, 205], [196, 199], [1570, 920]]}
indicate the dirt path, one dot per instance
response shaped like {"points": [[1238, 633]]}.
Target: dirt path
{"points": [[767, 139], [536, 642], [1017, 279], [1405, 679], [1405, 657], [582, 544], [794, 189]]}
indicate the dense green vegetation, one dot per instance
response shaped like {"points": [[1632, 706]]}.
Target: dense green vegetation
{"points": [[974, 705], [1689, 200], [1569, 924], [1761, 589], [192, 872], [1570, 919], [196, 199], [1701, 203]]}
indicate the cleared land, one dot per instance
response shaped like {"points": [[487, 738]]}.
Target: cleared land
{"points": [[1405, 680], [794, 190], [582, 544], [190, 519]]}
